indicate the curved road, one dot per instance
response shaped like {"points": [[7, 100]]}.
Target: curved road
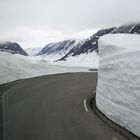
{"points": [[54, 107]]}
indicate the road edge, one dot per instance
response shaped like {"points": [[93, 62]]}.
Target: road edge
{"points": [[129, 135]]}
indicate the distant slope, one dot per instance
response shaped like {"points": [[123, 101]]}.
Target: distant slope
{"points": [[57, 48], [91, 44], [12, 47], [87, 45], [129, 29], [71, 48]]}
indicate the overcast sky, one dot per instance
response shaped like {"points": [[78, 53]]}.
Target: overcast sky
{"points": [[34, 23]]}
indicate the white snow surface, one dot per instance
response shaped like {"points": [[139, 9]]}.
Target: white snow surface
{"points": [[51, 57], [118, 88], [90, 60], [14, 67], [33, 51]]}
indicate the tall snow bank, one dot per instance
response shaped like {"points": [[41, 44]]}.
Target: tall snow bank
{"points": [[11, 68], [118, 89], [14, 67]]}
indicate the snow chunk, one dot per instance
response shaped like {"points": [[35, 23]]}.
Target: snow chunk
{"points": [[118, 88]]}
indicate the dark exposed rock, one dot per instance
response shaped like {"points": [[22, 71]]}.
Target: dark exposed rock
{"points": [[12, 47]]}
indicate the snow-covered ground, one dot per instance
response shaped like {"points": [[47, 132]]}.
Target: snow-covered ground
{"points": [[51, 57], [118, 89], [13, 67], [90, 60], [33, 51]]}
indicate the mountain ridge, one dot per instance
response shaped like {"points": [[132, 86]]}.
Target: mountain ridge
{"points": [[91, 44], [12, 47]]}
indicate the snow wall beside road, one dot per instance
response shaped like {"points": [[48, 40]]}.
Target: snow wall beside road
{"points": [[118, 88]]}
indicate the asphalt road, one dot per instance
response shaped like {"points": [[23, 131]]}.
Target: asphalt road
{"points": [[54, 107]]}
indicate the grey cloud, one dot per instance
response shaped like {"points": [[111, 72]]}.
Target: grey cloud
{"points": [[67, 16]]}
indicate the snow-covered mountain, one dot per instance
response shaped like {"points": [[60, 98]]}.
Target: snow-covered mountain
{"points": [[91, 44], [130, 29], [87, 45], [67, 49], [12, 47], [58, 49]]}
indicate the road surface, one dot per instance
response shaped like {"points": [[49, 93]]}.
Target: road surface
{"points": [[54, 107]]}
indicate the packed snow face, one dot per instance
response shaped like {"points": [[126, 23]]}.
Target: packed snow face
{"points": [[118, 88], [14, 67]]}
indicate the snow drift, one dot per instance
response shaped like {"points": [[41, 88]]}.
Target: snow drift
{"points": [[118, 88]]}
